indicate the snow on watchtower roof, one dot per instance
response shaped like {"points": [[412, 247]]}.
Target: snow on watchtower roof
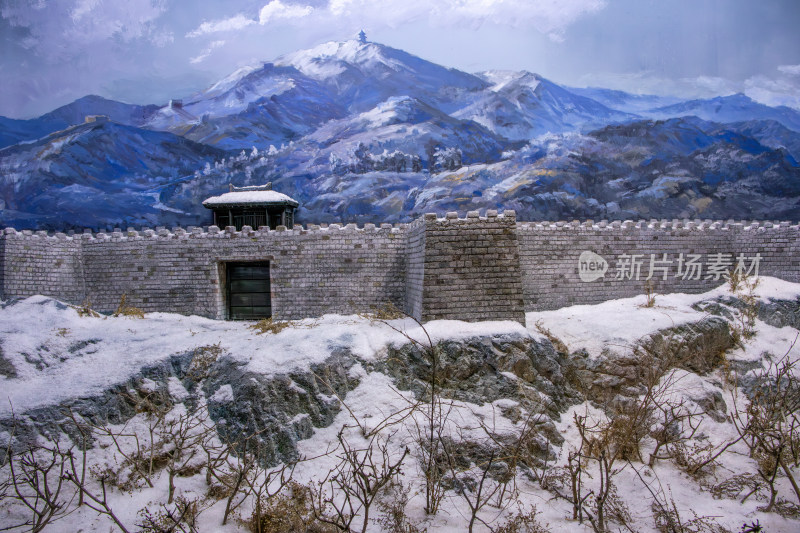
{"points": [[258, 195]]}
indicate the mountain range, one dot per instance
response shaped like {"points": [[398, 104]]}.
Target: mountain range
{"points": [[362, 132]]}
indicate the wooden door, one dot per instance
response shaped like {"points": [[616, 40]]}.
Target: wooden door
{"points": [[248, 291]]}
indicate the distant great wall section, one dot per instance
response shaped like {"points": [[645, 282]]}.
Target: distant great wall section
{"points": [[477, 267]]}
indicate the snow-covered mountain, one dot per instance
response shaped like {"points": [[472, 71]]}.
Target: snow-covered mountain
{"points": [[734, 108], [624, 101], [364, 74], [523, 105], [364, 132], [95, 174]]}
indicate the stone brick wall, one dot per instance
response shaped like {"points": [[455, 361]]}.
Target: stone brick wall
{"points": [[314, 271], [550, 255], [35, 263], [472, 268]]}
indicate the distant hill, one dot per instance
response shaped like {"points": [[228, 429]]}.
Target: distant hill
{"points": [[14, 131], [734, 108], [95, 175]]}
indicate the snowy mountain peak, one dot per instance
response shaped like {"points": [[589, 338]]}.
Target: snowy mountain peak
{"points": [[331, 59], [229, 82], [503, 79]]}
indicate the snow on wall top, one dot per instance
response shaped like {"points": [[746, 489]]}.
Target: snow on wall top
{"points": [[216, 232], [250, 197]]}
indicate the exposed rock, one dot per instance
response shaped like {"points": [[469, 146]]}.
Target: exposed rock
{"points": [[780, 313], [486, 369], [278, 410], [281, 409], [698, 347], [113, 406], [775, 312], [6, 367]]}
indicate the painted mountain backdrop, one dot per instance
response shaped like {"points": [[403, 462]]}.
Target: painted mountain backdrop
{"points": [[361, 132]]}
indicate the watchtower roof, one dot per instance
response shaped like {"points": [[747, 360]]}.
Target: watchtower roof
{"points": [[256, 195]]}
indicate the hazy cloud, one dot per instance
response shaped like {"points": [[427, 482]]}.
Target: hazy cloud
{"points": [[792, 70], [236, 22], [774, 91], [546, 16], [207, 52], [277, 10], [69, 25]]}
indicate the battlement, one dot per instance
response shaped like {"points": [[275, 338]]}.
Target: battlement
{"points": [[471, 266], [230, 232], [196, 232]]}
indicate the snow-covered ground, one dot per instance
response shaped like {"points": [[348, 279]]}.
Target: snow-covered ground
{"points": [[57, 355]]}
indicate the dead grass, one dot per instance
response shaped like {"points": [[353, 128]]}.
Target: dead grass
{"points": [[557, 343], [268, 325], [202, 360], [85, 309], [123, 309]]}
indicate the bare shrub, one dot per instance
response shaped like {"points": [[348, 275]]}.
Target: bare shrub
{"points": [[770, 424], [289, 511], [387, 311], [349, 490], [666, 515], [650, 295], [523, 521], [180, 436], [229, 466], [603, 444], [429, 434], [483, 470], [180, 517], [392, 505], [733, 487], [94, 500], [37, 477], [744, 324], [142, 452]]}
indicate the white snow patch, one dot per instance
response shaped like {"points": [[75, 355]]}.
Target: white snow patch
{"points": [[176, 389], [224, 394], [594, 327]]}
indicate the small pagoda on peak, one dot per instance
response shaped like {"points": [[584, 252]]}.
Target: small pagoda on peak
{"points": [[253, 206]]}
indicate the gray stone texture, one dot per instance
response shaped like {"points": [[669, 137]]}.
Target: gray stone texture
{"points": [[549, 255], [471, 268]]}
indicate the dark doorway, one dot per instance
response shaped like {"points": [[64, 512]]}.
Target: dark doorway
{"points": [[248, 291]]}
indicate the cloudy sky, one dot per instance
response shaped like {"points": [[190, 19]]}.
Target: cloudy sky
{"points": [[147, 51]]}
